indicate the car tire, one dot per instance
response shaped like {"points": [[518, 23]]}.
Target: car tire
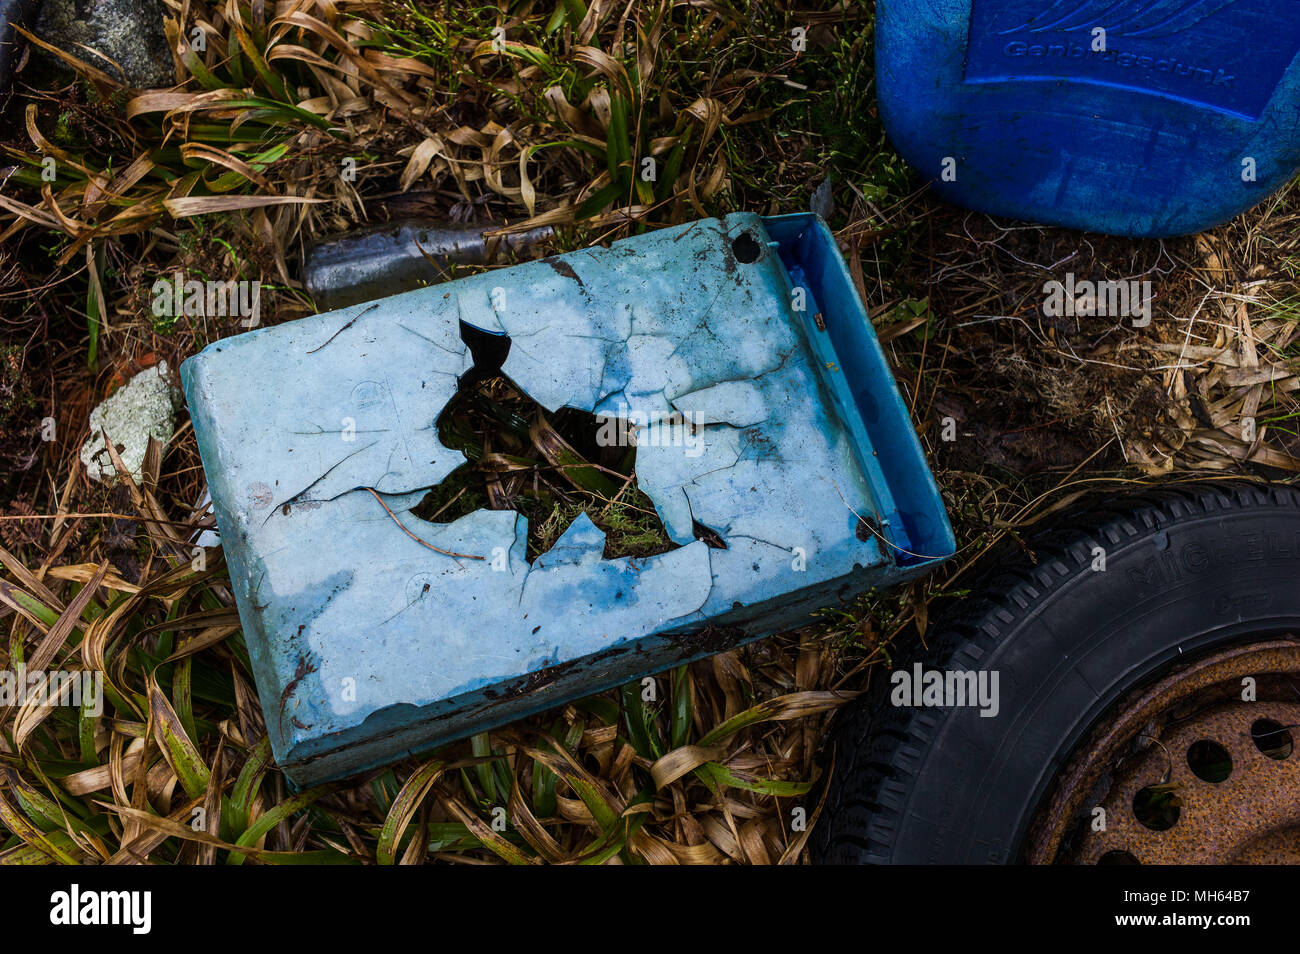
{"points": [[1183, 569]]}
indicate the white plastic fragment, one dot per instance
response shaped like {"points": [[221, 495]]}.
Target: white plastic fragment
{"points": [[207, 539], [142, 408]]}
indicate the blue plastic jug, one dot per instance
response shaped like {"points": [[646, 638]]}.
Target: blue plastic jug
{"points": [[1132, 117]]}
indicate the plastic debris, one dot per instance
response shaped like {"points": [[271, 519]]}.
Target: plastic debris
{"points": [[142, 408], [771, 440], [376, 263]]}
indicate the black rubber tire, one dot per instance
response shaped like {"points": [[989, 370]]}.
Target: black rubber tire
{"points": [[1187, 567]]}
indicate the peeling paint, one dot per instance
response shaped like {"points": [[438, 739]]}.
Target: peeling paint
{"points": [[318, 438]]}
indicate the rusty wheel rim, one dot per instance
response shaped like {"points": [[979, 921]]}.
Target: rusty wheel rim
{"points": [[1187, 771]]}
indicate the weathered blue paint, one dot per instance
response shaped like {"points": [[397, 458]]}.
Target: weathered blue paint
{"points": [[367, 645], [1155, 134]]}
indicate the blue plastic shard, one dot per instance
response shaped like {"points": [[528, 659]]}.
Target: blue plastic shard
{"points": [[739, 346], [581, 545]]}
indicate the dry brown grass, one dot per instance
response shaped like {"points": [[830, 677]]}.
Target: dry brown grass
{"points": [[721, 764]]}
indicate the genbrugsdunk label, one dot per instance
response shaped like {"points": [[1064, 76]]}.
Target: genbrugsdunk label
{"points": [[1228, 55]]}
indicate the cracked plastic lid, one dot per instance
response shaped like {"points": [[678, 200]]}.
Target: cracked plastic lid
{"points": [[367, 624]]}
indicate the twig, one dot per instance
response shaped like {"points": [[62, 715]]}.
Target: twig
{"points": [[423, 543]]}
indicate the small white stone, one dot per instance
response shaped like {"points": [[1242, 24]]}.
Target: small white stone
{"points": [[142, 408]]}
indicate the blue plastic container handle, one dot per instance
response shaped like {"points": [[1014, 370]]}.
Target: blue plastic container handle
{"points": [[1131, 117]]}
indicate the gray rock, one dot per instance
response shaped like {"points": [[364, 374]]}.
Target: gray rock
{"points": [[144, 407], [128, 32]]}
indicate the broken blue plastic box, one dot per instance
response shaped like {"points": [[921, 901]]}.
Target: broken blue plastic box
{"points": [[1130, 117], [367, 645]]}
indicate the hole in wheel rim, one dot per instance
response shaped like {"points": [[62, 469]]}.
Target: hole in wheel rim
{"points": [[1271, 738], [1117, 857], [1157, 808], [1209, 761]]}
